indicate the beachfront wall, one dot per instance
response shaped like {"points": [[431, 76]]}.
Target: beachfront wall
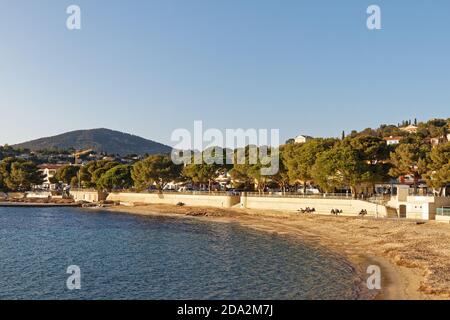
{"points": [[423, 207], [16, 195], [88, 195], [443, 218], [218, 201], [350, 207]]}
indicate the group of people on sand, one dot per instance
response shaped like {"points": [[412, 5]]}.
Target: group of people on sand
{"points": [[336, 211], [363, 212]]}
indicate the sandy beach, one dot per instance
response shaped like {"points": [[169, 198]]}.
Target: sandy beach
{"points": [[414, 257]]}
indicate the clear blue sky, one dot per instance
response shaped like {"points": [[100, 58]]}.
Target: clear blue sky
{"points": [[149, 67]]}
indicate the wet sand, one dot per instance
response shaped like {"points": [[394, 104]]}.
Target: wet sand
{"points": [[414, 258]]}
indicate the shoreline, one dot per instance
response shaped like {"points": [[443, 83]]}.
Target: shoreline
{"points": [[401, 279], [36, 205]]}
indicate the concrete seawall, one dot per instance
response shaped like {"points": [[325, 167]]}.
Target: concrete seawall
{"points": [[350, 207], [88, 195], [220, 201]]}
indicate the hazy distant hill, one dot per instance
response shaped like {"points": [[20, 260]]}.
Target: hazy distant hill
{"points": [[100, 140]]}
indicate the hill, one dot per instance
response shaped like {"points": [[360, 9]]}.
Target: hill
{"points": [[100, 140]]}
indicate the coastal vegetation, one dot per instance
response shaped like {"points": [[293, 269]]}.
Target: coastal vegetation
{"points": [[18, 174], [155, 170], [355, 163]]}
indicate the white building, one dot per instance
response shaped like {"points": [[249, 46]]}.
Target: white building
{"points": [[49, 171], [302, 138], [392, 140]]}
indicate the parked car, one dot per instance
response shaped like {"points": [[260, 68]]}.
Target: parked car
{"points": [[309, 190], [233, 192]]}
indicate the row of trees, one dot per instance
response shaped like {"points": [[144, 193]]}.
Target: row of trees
{"points": [[361, 162], [18, 174], [357, 163], [102, 174]]}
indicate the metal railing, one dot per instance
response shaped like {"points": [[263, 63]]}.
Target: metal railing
{"points": [[299, 195], [378, 199], [420, 192], [443, 212], [192, 192], [85, 189]]}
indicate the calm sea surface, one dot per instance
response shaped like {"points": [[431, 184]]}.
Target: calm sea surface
{"points": [[130, 257]]}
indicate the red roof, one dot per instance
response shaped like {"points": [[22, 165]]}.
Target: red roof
{"points": [[391, 138], [51, 166]]}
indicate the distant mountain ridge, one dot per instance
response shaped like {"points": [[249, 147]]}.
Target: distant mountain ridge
{"points": [[100, 140]]}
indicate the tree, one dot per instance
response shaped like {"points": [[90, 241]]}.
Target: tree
{"points": [[116, 177], [213, 164], [438, 174], [290, 141], [281, 178], [340, 167], [100, 169], [300, 158], [19, 174], [250, 175], [370, 148], [92, 172], [249, 165], [375, 153], [84, 177], [66, 174], [241, 177], [74, 181], [409, 159], [201, 173], [156, 169], [2, 184]]}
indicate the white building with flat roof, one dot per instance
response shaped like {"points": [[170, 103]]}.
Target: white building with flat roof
{"points": [[302, 138], [392, 140]]}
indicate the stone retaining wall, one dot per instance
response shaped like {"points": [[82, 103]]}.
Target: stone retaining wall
{"points": [[349, 207], [219, 201]]}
